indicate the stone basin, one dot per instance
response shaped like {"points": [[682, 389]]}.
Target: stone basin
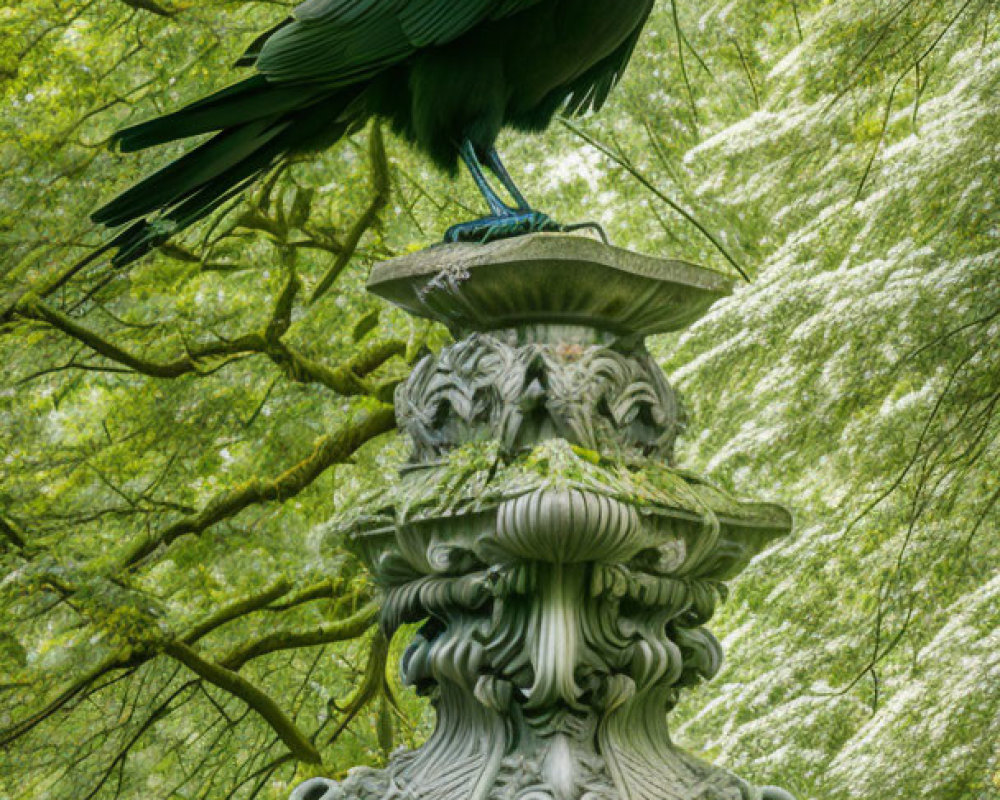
{"points": [[548, 278]]}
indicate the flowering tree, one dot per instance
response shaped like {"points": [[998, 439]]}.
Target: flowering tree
{"points": [[173, 621]]}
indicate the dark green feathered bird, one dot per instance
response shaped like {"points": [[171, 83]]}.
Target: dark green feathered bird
{"points": [[448, 75]]}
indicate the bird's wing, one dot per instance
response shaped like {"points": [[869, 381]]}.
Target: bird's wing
{"points": [[339, 42], [590, 91]]}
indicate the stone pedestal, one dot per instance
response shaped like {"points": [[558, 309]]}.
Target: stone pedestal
{"points": [[562, 566]]}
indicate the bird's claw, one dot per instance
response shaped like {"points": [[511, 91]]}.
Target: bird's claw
{"points": [[582, 226]]}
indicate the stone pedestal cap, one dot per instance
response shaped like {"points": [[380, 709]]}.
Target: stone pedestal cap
{"points": [[548, 278]]}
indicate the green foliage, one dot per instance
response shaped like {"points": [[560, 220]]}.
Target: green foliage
{"points": [[845, 154]]}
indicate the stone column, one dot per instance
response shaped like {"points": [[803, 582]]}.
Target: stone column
{"points": [[561, 564]]}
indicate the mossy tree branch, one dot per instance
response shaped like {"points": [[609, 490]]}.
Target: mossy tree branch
{"points": [[150, 6], [346, 379], [236, 609], [329, 450], [334, 631], [380, 197], [327, 633], [228, 680], [12, 533]]}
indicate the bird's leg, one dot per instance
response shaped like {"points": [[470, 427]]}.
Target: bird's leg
{"points": [[497, 168], [504, 221], [468, 154]]}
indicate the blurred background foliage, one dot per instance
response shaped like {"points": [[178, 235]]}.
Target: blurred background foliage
{"points": [[173, 622]]}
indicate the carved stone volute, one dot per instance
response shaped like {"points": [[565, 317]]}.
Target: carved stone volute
{"points": [[562, 566]]}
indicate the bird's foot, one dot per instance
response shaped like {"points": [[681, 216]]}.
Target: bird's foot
{"points": [[517, 223], [492, 228]]}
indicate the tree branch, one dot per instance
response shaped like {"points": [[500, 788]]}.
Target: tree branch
{"points": [[22, 727], [12, 532], [162, 710], [130, 661], [344, 380], [678, 34], [33, 307], [380, 197], [316, 591], [227, 680], [372, 683], [621, 160], [150, 6], [327, 633], [329, 450], [238, 608]]}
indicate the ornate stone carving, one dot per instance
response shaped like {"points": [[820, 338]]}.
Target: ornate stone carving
{"points": [[562, 567], [599, 394]]}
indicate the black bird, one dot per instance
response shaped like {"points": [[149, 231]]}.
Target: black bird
{"points": [[448, 75]]}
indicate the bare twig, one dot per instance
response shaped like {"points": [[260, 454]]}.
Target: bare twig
{"points": [[621, 160]]}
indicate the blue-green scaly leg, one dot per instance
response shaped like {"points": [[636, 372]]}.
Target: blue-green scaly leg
{"points": [[497, 168]]}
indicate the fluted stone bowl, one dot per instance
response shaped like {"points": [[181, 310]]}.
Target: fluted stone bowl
{"points": [[455, 516]]}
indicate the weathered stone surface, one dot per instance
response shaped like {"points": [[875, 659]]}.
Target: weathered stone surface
{"points": [[548, 278], [563, 567]]}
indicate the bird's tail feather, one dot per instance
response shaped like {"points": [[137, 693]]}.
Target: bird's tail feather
{"points": [[246, 101], [197, 183], [189, 172], [140, 238]]}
